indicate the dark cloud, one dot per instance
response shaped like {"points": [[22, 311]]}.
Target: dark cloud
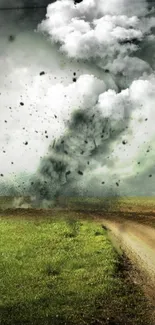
{"points": [[81, 141]]}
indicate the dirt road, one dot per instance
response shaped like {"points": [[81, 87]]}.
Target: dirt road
{"points": [[137, 240]]}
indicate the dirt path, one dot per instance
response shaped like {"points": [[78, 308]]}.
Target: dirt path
{"points": [[138, 242], [139, 239]]}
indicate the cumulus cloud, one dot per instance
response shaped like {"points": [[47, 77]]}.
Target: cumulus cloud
{"points": [[105, 31]]}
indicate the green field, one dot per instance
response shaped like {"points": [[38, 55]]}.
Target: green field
{"points": [[64, 271]]}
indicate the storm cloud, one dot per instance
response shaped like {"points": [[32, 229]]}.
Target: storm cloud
{"points": [[81, 116]]}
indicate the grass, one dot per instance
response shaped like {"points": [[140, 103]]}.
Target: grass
{"points": [[64, 271], [109, 204], [137, 203]]}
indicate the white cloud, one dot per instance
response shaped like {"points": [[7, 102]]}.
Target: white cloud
{"points": [[97, 29]]}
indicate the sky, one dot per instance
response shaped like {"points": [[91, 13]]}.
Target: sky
{"points": [[77, 93]]}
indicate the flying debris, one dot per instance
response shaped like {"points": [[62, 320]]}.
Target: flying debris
{"points": [[124, 142], [77, 1], [74, 79], [26, 143], [103, 182], [42, 73], [54, 142], [150, 175], [117, 183], [79, 172], [21, 104], [2, 175], [68, 172], [11, 38]]}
